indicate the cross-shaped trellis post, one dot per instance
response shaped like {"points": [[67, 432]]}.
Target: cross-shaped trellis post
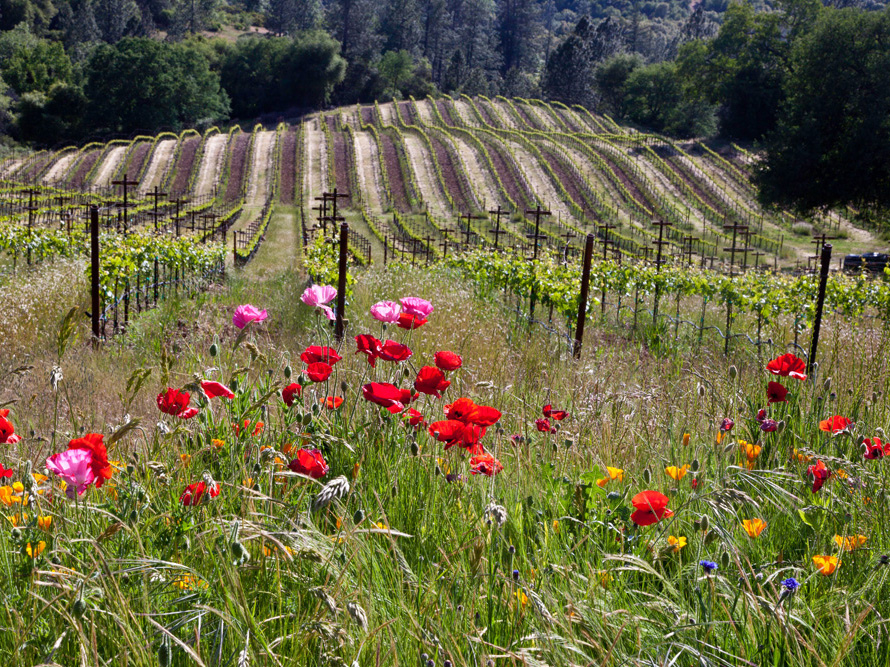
{"points": [[538, 212], [156, 194], [497, 224]]}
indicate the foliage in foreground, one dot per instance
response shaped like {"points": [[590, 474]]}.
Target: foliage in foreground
{"points": [[398, 550]]}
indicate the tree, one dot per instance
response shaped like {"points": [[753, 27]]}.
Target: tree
{"points": [[312, 67], [116, 18], [832, 143], [395, 67], [611, 81], [49, 119], [35, 15], [29, 64], [144, 84], [192, 16], [249, 73], [287, 17], [654, 98], [568, 76], [400, 25], [518, 30]]}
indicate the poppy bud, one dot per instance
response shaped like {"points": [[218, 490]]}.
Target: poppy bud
{"points": [[512, 549], [214, 350], [165, 655], [781, 426], [238, 550], [613, 495], [79, 607], [406, 372], [694, 465], [880, 432], [815, 367], [704, 523], [874, 397], [730, 447], [849, 392], [395, 490], [16, 534], [307, 418], [343, 386], [647, 475], [134, 516], [701, 390], [832, 396], [257, 470], [438, 470], [724, 560], [415, 449], [55, 560], [424, 657], [826, 386], [733, 372], [358, 517], [316, 409], [859, 440], [233, 385], [130, 468], [710, 537], [288, 372]]}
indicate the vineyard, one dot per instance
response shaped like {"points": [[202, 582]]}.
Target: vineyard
{"points": [[418, 178]]}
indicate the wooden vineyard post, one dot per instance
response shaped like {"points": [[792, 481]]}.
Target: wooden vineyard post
{"points": [[341, 282], [658, 262], [178, 203], [469, 217], [31, 208], [497, 228], [732, 253], [817, 323], [538, 212], [94, 273], [604, 230], [582, 301], [156, 194], [122, 208]]}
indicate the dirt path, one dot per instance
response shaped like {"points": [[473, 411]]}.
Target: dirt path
{"points": [[466, 113], [387, 114], [427, 117], [162, 155], [109, 165], [480, 177], [258, 184], [425, 175], [281, 250], [10, 166], [59, 170], [211, 164], [540, 183], [507, 117], [316, 160], [367, 166]]}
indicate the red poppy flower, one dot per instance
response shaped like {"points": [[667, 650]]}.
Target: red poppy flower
{"points": [[455, 433], [368, 345], [215, 389], [414, 418], [776, 392], [463, 409], [651, 507], [408, 397], [820, 474], [4, 412], [176, 403], [100, 465], [309, 462], [485, 464], [448, 361], [238, 428], [318, 353], [291, 392], [407, 321], [555, 415], [834, 425], [332, 402], [5, 473], [430, 380], [383, 394], [194, 493], [485, 415], [726, 425], [788, 366], [875, 449], [543, 425], [393, 351], [318, 371], [7, 431]]}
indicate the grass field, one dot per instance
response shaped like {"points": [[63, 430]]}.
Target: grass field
{"points": [[399, 554]]}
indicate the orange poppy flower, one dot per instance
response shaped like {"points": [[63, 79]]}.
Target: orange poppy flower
{"points": [[754, 527], [826, 564]]}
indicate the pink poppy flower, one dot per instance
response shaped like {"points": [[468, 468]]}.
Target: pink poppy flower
{"points": [[246, 314], [75, 468], [319, 296], [413, 305], [386, 311]]}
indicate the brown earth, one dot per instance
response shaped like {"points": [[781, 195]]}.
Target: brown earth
{"points": [[288, 166], [449, 174], [238, 163], [341, 168], [83, 169], [185, 165], [569, 181], [394, 173]]}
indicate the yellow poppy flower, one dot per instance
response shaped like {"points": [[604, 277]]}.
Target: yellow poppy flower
{"points": [[186, 460], [18, 519], [677, 542], [685, 439], [35, 551], [7, 497], [676, 473], [522, 597], [754, 527], [614, 475], [850, 542], [826, 564], [44, 522], [219, 444]]}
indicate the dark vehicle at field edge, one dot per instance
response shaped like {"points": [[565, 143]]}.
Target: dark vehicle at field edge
{"points": [[873, 262]]}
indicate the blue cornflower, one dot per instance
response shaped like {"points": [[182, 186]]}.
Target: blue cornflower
{"points": [[709, 566], [791, 584]]}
